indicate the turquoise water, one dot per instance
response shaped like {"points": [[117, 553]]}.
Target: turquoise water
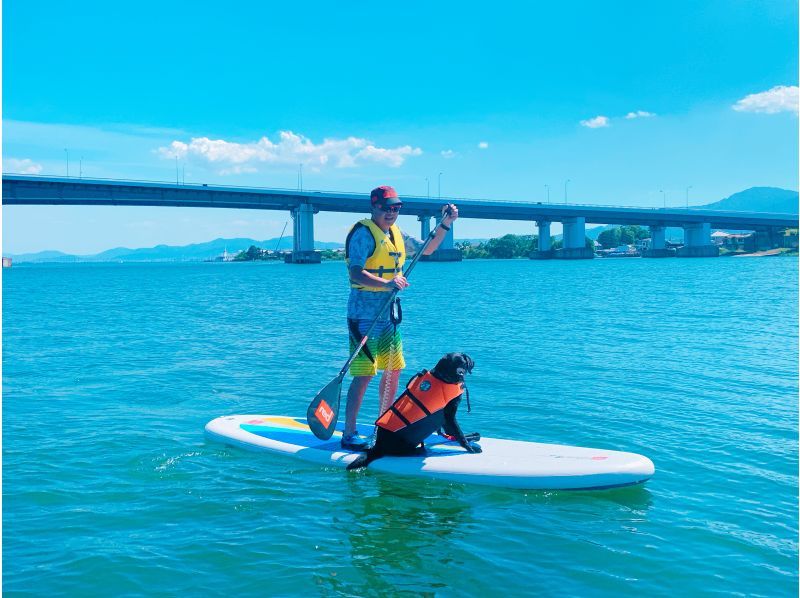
{"points": [[110, 373]]}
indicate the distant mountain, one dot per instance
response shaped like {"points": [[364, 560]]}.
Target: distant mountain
{"points": [[167, 253], [44, 256], [758, 199]]}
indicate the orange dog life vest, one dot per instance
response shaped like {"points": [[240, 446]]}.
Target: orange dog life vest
{"points": [[424, 396]]}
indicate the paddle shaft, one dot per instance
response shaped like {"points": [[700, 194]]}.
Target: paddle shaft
{"points": [[350, 359], [392, 295]]}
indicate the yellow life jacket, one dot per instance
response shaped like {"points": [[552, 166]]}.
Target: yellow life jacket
{"points": [[387, 260], [425, 396]]}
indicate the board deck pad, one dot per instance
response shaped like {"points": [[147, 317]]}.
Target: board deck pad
{"points": [[504, 463]]}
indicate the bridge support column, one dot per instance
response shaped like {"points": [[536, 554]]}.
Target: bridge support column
{"points": [[574, 246], [658, 246], [425, 226], [446, 252], [697, 241], [303, 247], [767, 239], [447, 242], [544, 250]]}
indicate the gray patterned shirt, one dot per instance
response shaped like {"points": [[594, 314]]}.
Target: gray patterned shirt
{"points": [[364, 305]]}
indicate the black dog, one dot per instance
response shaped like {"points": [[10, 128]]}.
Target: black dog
{"points": [[429, 403]]}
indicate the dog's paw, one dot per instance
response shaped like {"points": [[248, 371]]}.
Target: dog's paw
{"points": [[473, 447]]}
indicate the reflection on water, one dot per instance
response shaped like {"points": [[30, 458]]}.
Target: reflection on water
{"points": [[399, 531]]}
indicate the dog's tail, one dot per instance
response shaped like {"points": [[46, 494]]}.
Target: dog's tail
{"points": [[364, 460]]}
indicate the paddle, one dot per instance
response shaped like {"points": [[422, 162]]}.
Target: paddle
{"points": [[323, 411]]}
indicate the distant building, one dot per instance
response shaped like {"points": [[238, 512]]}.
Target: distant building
{"points": [[225, 257], [718, 237], [738, 242], [733, 241]]}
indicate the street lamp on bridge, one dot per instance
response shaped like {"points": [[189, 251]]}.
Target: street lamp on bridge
{"points": [[548, 193], [687, 196], [565, 189]]}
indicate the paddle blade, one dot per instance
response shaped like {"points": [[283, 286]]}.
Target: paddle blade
{"points": [[323, 412]]}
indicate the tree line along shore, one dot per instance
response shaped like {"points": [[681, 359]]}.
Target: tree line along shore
{"points": [[521, 246]]}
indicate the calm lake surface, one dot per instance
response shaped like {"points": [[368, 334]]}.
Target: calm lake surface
{"points": [[110, 373]]}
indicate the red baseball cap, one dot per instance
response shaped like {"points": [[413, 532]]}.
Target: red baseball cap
{"points": [[384, 195]]}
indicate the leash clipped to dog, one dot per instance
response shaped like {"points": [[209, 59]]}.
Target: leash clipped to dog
{"points": [[323, 411]]}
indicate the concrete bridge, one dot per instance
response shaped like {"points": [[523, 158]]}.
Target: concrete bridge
{"points": [[697, 223]]}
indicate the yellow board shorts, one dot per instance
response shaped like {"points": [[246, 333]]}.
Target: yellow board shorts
{"points": [[384, 348]]}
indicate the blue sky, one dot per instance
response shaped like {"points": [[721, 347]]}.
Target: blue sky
{"points": [[502, 98]]}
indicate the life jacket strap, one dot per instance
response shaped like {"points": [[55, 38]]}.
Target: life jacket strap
{"points": [[402, 417], [418, 403]]}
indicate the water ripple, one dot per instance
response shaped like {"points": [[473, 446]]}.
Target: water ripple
{"points": [[111, 371]]}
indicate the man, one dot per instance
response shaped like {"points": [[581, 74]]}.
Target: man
{"points": [[375, 251]]}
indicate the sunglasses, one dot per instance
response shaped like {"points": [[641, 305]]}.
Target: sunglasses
{"points": [[393, 209]]}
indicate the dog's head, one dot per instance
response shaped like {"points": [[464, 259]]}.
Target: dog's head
{"points": [[453, 367]]}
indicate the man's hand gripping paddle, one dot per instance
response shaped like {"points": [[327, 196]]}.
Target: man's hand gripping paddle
{"points": [[323, 412]]}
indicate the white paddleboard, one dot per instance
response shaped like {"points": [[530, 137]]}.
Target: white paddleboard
{"points": [[505, 463]]}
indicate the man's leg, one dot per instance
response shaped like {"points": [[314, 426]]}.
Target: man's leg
{"points": [[355, 395], [390, 360], [388, 389], [362, 369]]}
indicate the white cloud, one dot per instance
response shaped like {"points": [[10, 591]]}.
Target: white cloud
{"points": [[393, 157], [23, 166], [290, 149], [483, 144], [239, 170], [781, 98], [447, 154], [639, 114], [596, 122]]}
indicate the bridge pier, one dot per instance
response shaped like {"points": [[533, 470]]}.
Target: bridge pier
{"points": [[303, 241], [544, 248], [574, 244], [768, 238], [658, 246], [446, 252], [425, 226], [697, 241]]}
